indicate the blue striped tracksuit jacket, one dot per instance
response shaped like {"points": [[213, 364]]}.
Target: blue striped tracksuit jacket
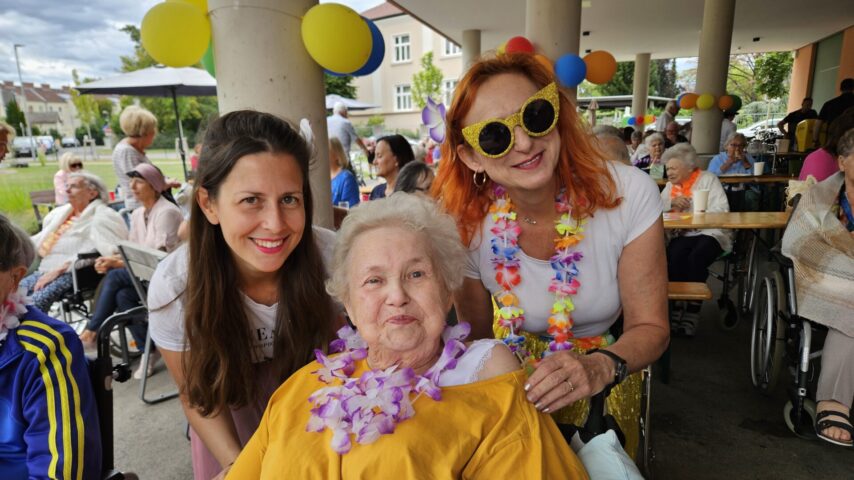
{"points": [[48, 418]]}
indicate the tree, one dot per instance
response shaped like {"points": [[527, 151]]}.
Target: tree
{"points": [[86, 105], [427, 82], [14, 115], [772, 72], [339, 85]]}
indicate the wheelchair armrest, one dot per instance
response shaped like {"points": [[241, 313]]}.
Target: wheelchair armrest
{"points": [[88, 255]]}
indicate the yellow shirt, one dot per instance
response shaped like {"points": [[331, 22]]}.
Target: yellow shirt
{"points": [[486, 429]]}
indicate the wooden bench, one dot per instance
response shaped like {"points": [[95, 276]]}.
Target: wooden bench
{"points": [[42, 199], [688, 291]]}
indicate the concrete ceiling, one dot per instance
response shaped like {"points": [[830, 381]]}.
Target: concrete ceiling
{"points": [[664, 28]]}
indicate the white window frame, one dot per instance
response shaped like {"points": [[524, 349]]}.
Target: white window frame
{"points": [[451, 49], [403, 97], [402, 49], [448, 87]]}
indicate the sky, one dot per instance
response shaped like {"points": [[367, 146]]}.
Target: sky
{"points": [[59, 36]]}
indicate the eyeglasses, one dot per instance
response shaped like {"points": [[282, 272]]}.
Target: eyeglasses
{"points": [[75, 165], [494, 137]]}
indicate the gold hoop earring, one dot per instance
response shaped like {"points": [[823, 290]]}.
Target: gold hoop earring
{"points": [[480, 184]]}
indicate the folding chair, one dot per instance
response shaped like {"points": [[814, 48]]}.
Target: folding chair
{"points": [[141, 262]]}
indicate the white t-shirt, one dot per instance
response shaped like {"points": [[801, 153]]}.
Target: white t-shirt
{"points": [[166, 302], [597, 303]]}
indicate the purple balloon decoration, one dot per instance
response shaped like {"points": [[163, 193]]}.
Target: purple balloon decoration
{"points": [[570, 70], [433, 117]]}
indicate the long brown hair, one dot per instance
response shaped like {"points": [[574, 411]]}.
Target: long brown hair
{"points": [[581, 168], [219, 371]]}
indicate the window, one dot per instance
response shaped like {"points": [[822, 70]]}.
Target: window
{"points": [[402, 98], [448, 87], [401, 48], [452, 49]]}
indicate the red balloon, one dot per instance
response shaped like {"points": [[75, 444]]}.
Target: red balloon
{"points": [[639, 120], [519, 45]]}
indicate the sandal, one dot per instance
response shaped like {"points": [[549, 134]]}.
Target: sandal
{"points": [[821, 424]]}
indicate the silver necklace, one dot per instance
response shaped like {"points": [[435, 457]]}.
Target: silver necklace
{"points": [[528, 219]]}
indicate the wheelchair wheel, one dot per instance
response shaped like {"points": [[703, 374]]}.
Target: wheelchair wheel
{"points": [[728, 316], [747, 287], [767, 339], [807, 424]]}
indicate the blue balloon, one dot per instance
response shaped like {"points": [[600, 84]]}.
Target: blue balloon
{"points": [[335, 74], [377, 51], [570, 70], [631, 121]]}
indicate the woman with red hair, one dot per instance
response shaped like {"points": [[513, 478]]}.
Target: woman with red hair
{"points": [[562, 241]]}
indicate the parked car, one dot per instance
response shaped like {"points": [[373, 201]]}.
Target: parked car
{"points": [[48, 142], [22, 146], [70, 142], [761, 126]]}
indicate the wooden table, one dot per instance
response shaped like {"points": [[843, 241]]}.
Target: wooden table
{"points": [[727, 220], [732, 179]]}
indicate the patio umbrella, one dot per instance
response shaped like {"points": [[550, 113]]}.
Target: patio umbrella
{"points": [[158, 82], [348, 102]]}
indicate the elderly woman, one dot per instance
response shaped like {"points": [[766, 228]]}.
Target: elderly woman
{"points": [[68, 162], [563, 241], [140, 126], [85, 224], [155, 226], [414, 177], [651, 160], [690, 252], [37, 394], [733, 160], [820, 242], [391, 154], [407, 399]]}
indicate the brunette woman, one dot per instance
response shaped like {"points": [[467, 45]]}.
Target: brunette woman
{"points": [[243, 305]]}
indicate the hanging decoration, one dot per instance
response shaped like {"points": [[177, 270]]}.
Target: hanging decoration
{"points": [[688, 100], [433, 117], [175, 33], [208, 60], [705, 101], [570, 70], [601, 67]]}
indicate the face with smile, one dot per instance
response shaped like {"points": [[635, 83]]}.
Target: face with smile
{"points": [[531, 161], [259, 208], [395, 295]]}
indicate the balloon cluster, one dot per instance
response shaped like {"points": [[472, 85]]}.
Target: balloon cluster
{"points": [[177, 33], [570, 69], [341, 41], [641, 119], [707, 100]]}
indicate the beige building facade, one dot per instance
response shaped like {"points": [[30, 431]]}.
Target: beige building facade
{"points": [[390, 86], [49, 108]]}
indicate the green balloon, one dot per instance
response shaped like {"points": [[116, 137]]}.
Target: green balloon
{"points": [[736, 103], [208, 60]]}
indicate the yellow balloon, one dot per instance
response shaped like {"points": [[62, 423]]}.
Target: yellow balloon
{"points": [[175, 34], [336, 37], [649, 118], [201, 4], [705, 101], [501, 49]]}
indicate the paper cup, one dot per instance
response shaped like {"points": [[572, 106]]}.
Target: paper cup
{"points": [[759, 168], [700, 200]]}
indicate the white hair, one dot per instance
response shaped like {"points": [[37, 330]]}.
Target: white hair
{"points": [[655, 136], [93, 182], [683, 152], [416, 213], [733, 136], [339, 108]]}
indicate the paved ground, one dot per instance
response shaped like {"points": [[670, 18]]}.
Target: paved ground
{"points": [[708, 423]]}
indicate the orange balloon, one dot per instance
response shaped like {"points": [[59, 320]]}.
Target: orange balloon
{"points": [[689, 101], [544, 60], [726, 102], [601, 66]]}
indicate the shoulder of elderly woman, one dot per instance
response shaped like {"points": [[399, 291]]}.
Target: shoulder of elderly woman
{"points": [[501, 360]]}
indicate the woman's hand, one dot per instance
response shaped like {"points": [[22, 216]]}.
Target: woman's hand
{"points": [[680, 204], [49, 277], [103, 264], [565, 377]]}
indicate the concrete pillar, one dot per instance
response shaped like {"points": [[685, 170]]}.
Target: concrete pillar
{"points": [[640, 86], [471, 47], [261, 64], [712, 67], [554, 27]]}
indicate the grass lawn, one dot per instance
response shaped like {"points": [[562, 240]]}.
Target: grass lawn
{"points": [[17, 183]]}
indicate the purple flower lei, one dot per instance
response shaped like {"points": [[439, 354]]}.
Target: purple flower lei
{"points": [[372, 404]]}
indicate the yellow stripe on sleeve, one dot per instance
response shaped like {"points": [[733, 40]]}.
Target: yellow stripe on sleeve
{"points": [[51, 404], [78, 415], [63, 396]]}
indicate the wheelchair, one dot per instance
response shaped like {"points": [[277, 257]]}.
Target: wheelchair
{"points": [[781, 341]]}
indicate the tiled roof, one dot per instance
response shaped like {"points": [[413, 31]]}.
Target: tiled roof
{"points": [[383, 10]]}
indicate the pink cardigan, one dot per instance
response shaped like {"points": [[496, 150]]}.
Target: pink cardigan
{"points": [[820, 164]]}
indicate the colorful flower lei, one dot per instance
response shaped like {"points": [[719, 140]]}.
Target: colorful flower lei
{"points": [[372, 404], [564, 284], [11, 310]]}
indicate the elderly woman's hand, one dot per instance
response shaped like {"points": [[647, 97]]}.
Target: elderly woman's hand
{"points": [[565, 377], [680, 204], [104, 264], [48, 277]]}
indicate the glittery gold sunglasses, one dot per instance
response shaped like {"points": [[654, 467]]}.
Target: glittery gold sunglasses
{"points": [[494, 137]]}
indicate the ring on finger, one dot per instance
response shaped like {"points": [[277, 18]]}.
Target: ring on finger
{"points": [[571, 386]]}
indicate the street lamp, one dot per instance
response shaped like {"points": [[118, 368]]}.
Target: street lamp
{"points": [[24, 101]]}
